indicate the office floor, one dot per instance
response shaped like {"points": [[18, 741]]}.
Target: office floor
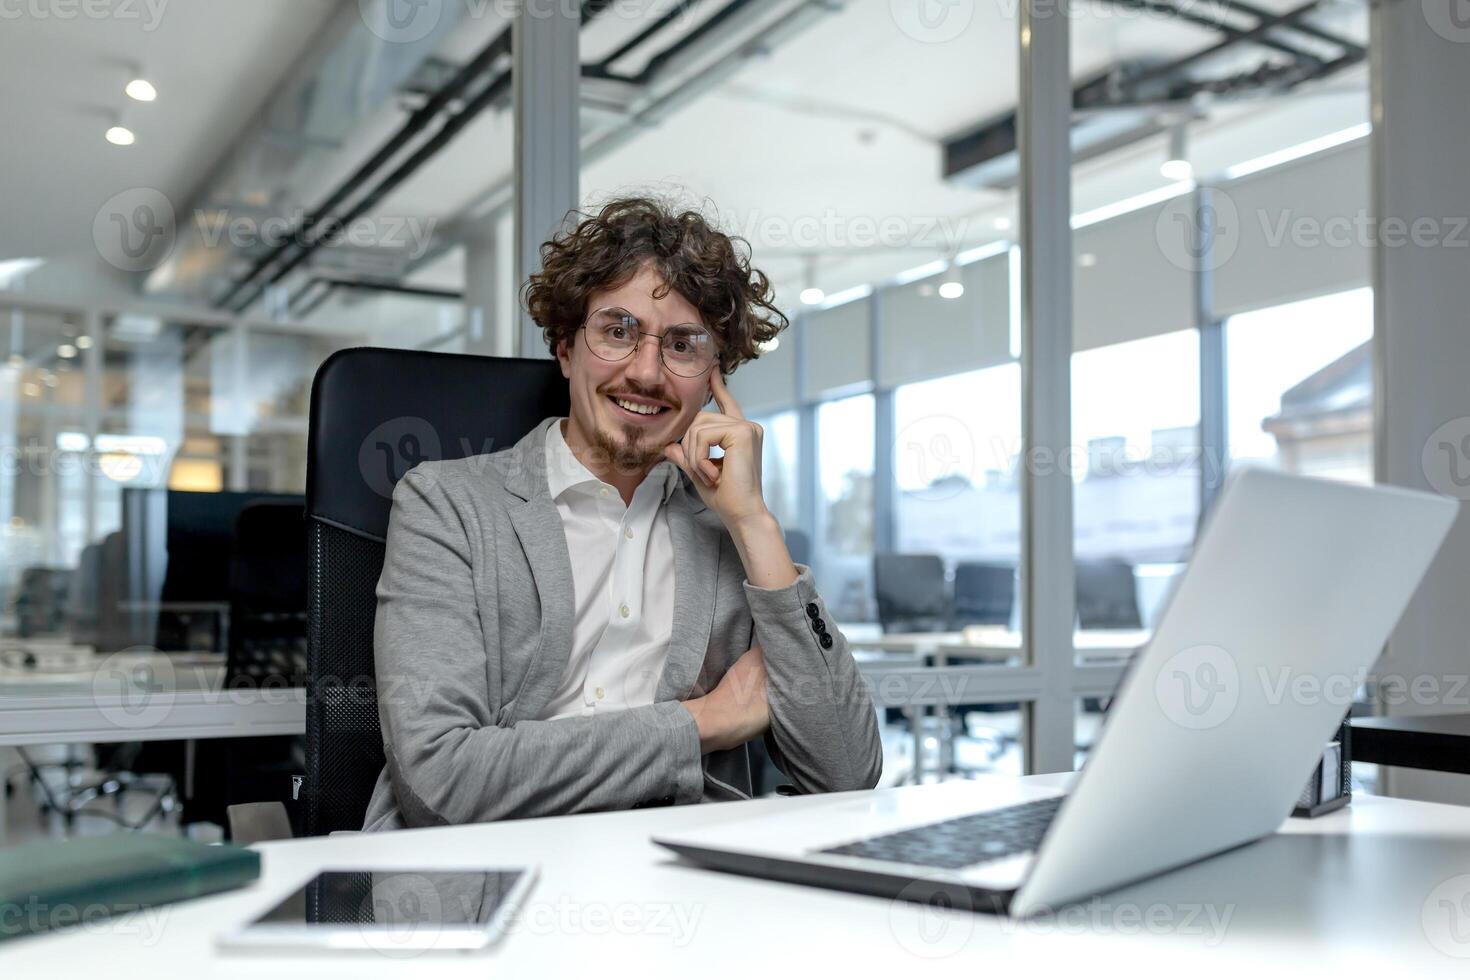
{"points": [[29, 818]]}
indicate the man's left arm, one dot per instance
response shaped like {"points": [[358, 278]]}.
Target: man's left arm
{"points": [[823, 727], [823, 724]]}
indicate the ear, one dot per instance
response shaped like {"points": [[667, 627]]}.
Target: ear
{"points": [[564, 357]]}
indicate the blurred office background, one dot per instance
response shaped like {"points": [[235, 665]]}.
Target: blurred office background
{"points": [[166, 298]]}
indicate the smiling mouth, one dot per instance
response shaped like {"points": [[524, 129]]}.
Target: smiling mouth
{"points": [[634, 410]]}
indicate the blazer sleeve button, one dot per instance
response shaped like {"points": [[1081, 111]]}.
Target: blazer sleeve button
{"points": [[826, 641], [812, 610], [819, 624]]}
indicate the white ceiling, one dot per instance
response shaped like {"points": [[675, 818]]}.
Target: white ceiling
{"points": [[213, 63], [843, 125], [840, 125]]}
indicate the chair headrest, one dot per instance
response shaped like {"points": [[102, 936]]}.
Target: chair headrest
{"points": [[376, 413]]}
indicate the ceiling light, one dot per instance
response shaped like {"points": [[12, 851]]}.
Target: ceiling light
{"points": [[1176, 170], [1087, 260], [141, 90], [1002, 223], [121, 136], [66, 350], [83, 342], [953, 289], [811, 296], [1177, 165]]}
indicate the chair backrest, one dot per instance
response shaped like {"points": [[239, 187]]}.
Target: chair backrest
{"points": [[911, 591], [984, 593], [267, 576], [375, 414], [1107, 595]]}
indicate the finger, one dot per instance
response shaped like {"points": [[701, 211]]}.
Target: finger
{"points": [[723, 398], [674, 453], [699, 443], [691, 459], [698, 439]]}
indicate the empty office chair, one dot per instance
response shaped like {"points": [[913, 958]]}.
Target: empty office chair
{"points": [[41, 601], [1107, 599], [266, 651], [912, 593], [81, 603], [984, 593], [1107, 596], [375, 414]]}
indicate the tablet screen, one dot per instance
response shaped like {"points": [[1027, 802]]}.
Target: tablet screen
{"points": [[398, 900]]}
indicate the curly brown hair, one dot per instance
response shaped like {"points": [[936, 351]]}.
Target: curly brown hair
{"points": [[700, 263]]}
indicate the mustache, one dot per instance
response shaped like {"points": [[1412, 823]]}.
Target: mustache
{"points": [[655, 394]]}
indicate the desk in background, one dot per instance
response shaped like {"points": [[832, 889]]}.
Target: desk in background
{"points": [[70, 694], [914, 671], [1437, 742]]}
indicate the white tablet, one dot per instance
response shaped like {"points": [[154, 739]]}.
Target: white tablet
{"points": [[390, 911]]}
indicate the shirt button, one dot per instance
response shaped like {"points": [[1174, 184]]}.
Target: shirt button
{"points": [[628, 532], [600, 694], [603, 491], [623, 609]]}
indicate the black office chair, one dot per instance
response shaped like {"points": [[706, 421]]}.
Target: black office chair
{"points": [[266, 652], [1107, 596], [82, 601], [984, 593], [912, 593], [374, 414], [1107, 599], [41, 601]]}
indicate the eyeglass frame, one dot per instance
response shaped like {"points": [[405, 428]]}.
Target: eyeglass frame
{"points": [[582, 328]]}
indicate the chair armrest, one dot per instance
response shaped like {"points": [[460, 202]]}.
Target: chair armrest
{"points": [[251, 823]]}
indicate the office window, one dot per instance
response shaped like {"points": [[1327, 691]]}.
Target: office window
{"points": [[779, 470], [1300, 386], [277, 401], [843, 551], [1135, 426], [957, 440], [42, 439]]}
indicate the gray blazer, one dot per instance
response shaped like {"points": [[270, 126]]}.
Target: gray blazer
{"points": [[472, 635]]}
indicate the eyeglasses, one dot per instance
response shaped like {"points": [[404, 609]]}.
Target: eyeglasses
{"points": [[686, 350]]}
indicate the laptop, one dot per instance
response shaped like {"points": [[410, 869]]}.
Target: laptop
{"points": [[1293, 588]]}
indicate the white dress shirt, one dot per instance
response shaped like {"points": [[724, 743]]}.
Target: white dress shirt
{"points": [[622, 584]]}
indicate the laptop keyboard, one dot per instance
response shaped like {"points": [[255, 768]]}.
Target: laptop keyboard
{"points": [[961, 841]]}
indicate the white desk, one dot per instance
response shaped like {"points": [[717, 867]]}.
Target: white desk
{"points": [[74, 695], [138, 697], [1001, 644], [1357, 891]]}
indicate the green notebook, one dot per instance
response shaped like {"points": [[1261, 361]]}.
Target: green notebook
{"points": [[48, 886]]}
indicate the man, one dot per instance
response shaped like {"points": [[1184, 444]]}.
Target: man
{"points": [[601, 616]]}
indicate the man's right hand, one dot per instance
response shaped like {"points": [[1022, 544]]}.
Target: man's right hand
{"points": [[736, 711]]}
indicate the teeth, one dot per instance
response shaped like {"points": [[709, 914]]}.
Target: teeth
{"points": [[640, 409]]}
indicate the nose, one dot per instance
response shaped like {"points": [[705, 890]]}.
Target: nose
{"points": [[644, 366]]}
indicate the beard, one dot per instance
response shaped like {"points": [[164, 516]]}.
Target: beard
{"points": [[624, 450]]}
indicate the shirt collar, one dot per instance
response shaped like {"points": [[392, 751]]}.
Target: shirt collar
{"points": [[564, 471]]}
